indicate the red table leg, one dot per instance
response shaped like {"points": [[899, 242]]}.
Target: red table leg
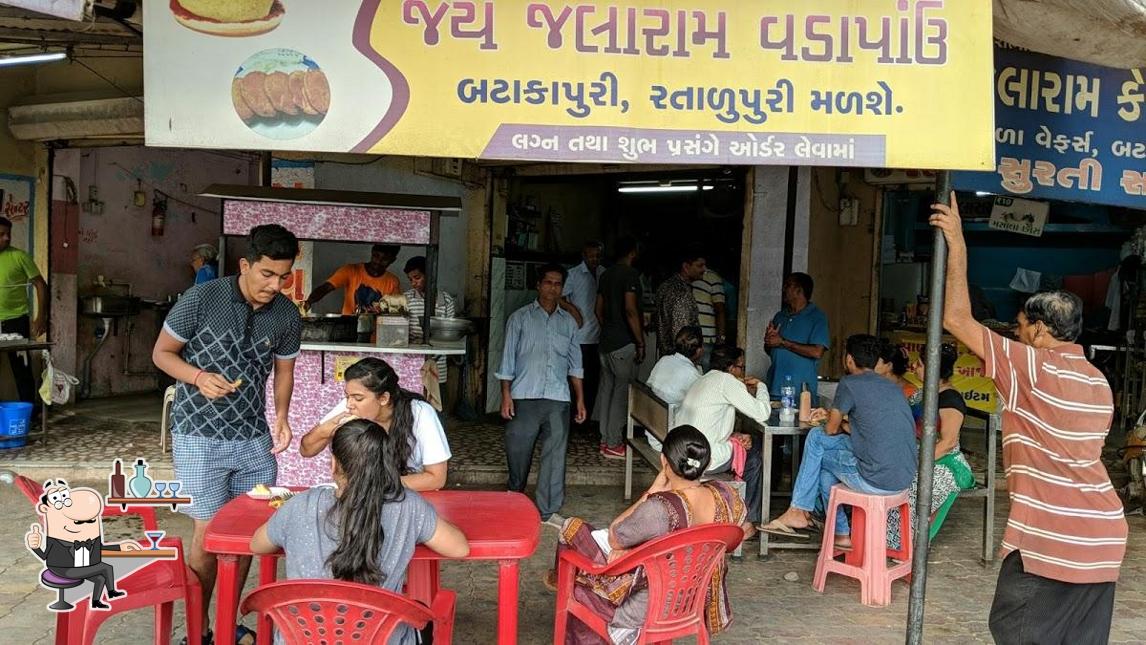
{"points": [[226, 598], [422, 581], [507, 602], [268, 572], [70, 626]]}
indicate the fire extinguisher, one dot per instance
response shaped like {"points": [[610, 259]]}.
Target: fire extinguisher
{"points": [[158, 214]]}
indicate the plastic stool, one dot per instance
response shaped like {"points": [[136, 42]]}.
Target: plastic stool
{"points": [[60, 583], [867, 561]]}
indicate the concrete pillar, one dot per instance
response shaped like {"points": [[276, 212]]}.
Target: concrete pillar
{"points": [[776, 229]]}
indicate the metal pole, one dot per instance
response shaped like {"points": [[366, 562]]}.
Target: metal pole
{"points": [[930, 421]]}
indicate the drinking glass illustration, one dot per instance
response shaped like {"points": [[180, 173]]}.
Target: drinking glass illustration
{"points": [[159, 488], [155, 537], [174, 488]]}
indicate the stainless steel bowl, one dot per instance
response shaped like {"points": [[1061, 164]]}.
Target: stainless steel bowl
{"points": [[449, 329]]}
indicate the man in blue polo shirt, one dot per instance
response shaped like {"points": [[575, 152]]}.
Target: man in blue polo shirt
{"points": [[220, 343], [797, 337]]}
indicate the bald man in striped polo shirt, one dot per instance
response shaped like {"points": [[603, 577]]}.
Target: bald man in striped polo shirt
{"points": [[1066, 534]]}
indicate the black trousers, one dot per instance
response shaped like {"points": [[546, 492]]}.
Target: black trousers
{"points": [[1032, 609], [21, 363], [101, 575], [591, 361]]}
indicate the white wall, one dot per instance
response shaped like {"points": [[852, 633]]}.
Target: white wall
{"points": [[118, 245], [393, 175]]}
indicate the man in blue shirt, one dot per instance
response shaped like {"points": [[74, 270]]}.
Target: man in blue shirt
{"points": [[540, 361], [797, 337], [868, 444]]}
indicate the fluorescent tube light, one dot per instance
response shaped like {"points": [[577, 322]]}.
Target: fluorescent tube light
{"points": [[686, 188], [33, 58]]}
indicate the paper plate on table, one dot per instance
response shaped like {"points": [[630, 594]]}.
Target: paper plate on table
{"points": [[275, 491]]}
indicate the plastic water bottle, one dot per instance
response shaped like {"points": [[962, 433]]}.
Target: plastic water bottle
{"points": [[788, 394]]}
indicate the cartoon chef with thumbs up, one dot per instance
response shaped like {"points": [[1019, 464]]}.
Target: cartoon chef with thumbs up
{"points": [[72, 523]]}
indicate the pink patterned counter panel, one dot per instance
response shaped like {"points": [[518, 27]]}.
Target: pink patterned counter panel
{"points": [[329, 222], [313, 399]]}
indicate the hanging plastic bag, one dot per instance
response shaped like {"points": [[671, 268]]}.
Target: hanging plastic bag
{"points": [[56, 388]]}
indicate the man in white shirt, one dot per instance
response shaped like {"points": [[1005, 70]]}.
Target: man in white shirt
{"points": [[674, 374], [579, 298], [711, 406]]}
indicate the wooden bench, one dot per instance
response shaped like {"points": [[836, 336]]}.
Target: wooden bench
{"points": [[657, 417]]}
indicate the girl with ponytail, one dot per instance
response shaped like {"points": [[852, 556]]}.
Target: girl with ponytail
{"points": [[366, 527], [372, 393]]}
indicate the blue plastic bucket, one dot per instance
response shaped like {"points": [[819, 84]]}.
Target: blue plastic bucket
{"points": [[15, 417]]}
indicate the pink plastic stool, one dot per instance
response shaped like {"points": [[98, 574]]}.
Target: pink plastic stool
{"points": [[867, 561]]}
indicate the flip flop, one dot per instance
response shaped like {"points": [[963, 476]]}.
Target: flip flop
{"points": [[549, 579], [778, 528], [817, 524], [208, 638], [244, 635], [842, 548]]}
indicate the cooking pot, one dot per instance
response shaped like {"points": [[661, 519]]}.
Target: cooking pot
{"points": [[330, 328]]}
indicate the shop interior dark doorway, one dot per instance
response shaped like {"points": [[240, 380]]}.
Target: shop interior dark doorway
{"points": [[551, 218]]}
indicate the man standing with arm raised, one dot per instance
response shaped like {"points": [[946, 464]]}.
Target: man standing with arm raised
{"points": [[1066, 533], [220, 343]]}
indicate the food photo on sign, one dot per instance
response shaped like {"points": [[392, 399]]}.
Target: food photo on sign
{"points": [[650, 81]]}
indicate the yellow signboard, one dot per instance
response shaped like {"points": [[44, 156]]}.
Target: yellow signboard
{"points": [[887, 83], [969, 379], [341, 362]]}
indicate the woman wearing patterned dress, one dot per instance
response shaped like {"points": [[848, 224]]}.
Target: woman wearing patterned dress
{"points": [[676, 500], [952, 473]]}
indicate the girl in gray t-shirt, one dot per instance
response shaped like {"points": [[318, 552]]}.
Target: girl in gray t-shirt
{"points": [[365, 530]]}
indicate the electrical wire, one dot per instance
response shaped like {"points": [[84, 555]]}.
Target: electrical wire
{"points": [[107, 80], [167, 196], [816, 188]]}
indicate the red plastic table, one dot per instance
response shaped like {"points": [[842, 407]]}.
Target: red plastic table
{"points": [[499, 526]]}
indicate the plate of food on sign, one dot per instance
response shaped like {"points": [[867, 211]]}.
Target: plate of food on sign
{"points": [[280, 94]]}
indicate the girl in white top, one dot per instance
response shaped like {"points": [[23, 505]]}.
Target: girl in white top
{"points": [[373, 393]]}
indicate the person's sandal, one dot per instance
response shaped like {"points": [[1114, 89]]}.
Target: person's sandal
{"points": [[244, 635], [550, 580], [208, 638]]}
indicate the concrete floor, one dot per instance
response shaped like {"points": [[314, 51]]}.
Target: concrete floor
{"points": [[767, 607]]}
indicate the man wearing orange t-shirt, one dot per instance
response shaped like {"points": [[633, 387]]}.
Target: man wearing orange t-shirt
{"points": [[363, 283]]}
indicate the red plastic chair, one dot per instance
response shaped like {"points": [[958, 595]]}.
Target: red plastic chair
{"points": [[34, 491], [159, 584], [313, 611], [679, 568]]}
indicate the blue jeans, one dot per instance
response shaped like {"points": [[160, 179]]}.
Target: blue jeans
{"points": [[829, 460]]}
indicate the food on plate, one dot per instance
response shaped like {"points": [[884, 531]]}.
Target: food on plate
{"points": [[241, 108], [276, 502], [277, 87], [279, 95], [298, 92], [228, 17], [254, 93], [317, 90], [261, 489]]}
